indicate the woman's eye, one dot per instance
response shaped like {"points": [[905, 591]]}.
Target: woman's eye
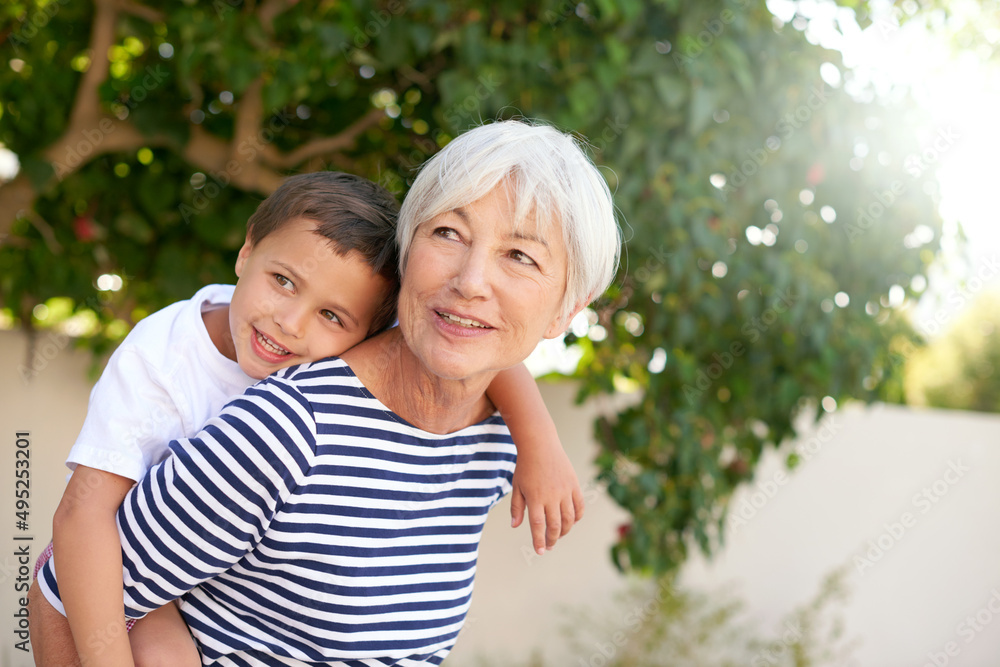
{"points": [[520, 257], [330, 315], [283, 281], [446, 232]]}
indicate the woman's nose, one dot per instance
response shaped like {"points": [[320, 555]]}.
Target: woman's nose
{"points": [[473, 275]]}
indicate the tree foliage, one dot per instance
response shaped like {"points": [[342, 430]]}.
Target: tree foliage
{"points": [[765, 208], [960, 370]]}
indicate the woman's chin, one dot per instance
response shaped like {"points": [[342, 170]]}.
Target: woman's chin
{"points": [[450, 366]]}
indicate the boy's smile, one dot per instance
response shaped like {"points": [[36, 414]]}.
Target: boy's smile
{"points": [[265, 347], [297, 300]]}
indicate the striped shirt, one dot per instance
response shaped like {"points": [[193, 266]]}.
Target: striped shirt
{"points": [[310, 525]]}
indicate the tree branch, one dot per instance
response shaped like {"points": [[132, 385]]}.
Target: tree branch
{"points": [[249, 116], [258, 171], [270, 9], [141, 11], [325, 145], [211, 154], [45, 229], [87, 105], [16, 198]]}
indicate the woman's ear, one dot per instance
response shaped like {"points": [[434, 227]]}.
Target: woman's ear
{"points": [[241, 259], [561, 323]]}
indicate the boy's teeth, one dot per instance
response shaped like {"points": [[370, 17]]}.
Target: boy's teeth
{"points": [[463, 321], [267, 345]]}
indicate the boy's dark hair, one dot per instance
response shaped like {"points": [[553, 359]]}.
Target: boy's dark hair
{"points": [[351, 212]]}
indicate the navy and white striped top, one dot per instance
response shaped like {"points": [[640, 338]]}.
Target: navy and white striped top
{"points": [[310, 525]]}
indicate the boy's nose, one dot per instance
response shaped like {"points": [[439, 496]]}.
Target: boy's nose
{"points": [[291, 320]]}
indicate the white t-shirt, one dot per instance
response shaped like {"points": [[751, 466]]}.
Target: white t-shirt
{"points": [[163, 382]]}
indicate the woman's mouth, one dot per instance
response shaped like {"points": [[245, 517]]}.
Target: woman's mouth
{"points": [[462, 321]]}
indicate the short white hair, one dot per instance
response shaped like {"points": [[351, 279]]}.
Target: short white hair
{"points": [[551, 180]]}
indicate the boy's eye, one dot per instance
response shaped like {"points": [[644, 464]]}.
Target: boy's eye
{"points": [[520, 257], [283, 281], [330, 315]]}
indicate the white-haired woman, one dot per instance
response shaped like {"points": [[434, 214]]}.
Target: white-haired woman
{"points": [[333, 514]]}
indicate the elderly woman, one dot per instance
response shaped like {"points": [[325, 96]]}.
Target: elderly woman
{"points": [[332, 515]]}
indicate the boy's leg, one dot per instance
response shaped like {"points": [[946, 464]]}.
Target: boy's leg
{"points": [[51, 639], [162, 638]]}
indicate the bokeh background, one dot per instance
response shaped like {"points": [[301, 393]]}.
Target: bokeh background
{"points": [[806, 190]]}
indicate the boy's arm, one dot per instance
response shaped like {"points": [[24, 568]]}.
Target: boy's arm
{"points": [[88, 562], [544, 479]]}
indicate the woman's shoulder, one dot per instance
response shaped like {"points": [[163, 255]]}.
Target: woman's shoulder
{"points": [[316, 376]]}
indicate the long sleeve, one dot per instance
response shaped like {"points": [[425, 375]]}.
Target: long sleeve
{"points": [[201, 510]]}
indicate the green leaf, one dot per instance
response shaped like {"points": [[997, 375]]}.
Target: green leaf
{"points": [[38, 171]]}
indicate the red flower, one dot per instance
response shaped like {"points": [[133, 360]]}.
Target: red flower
{"points": [[623, 530], [84, 228]]}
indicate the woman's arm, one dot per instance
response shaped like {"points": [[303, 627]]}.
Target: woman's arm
{"points": [[206, 506], [544, 479], [88, 563]]}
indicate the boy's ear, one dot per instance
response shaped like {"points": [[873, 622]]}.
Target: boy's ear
{"points": [[241, 259], [561, 323]]}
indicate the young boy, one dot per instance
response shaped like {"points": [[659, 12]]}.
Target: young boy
{"points": [[299, 298]]}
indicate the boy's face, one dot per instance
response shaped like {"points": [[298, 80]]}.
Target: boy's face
{"points": [[297, 301]]}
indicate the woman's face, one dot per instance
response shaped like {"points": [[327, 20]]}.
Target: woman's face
{"points": [[478, 294]]}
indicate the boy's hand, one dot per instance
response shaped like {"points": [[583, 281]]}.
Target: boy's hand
{"points": [[545, 482]]}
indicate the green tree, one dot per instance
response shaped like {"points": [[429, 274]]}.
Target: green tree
{"points": [[961, 369], [762, 250]]}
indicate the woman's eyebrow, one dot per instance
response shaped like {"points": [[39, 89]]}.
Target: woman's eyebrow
{"points": [[518, 234], [527, 236]]}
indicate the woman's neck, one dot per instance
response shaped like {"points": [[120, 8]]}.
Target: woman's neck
{"points": [[390, 371]]}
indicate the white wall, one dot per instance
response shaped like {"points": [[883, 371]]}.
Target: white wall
{"points": [[866, 467], [51, 406], [920, 565]]}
